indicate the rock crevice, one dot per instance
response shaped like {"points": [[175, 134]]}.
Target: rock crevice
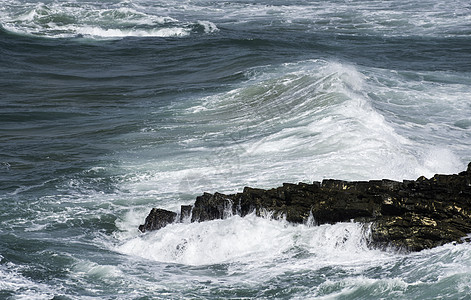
{"points": [[411, 215]]}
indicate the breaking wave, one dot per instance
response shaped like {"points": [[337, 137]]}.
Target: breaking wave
{"points": [[249, 239], [66, 20]]}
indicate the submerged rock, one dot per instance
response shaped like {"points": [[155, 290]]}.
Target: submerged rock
{"points": [[410, 215]]}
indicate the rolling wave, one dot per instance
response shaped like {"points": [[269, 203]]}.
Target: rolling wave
{"points": [[300, 121], [65, 20]]}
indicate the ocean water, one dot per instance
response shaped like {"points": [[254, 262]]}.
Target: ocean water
{"points": [[111, 107]]}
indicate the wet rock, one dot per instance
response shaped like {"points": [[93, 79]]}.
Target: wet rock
{"points": [[410, 215], [210, 207], [157, 219]]}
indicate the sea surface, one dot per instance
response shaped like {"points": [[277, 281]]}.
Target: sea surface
{"points": [[111, 107]]}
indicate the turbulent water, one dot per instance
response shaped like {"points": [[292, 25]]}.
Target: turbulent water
{"points": [[111, 107]]}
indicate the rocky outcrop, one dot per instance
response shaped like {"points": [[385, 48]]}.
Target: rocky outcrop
{"points": [[410, 215], [157, 219]]}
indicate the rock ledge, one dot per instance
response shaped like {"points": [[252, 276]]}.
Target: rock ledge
{"points": [[408, 215]]}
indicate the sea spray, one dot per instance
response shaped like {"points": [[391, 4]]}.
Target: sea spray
{"points": [[111, 107], [331, 115], [237, 239]]}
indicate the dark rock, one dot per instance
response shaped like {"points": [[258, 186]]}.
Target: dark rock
{"points": [[210, 207], [157, 219], [410, 215]]}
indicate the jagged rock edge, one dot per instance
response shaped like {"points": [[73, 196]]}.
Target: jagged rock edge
{"points": [[408, 215]]}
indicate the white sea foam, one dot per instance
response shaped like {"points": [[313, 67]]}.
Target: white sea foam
{"points": [[250, 239], [209, 27], [61, 20], [11, 281], [428, 18], [398, 18], [259, 253], [301, 121], [120, 33]]}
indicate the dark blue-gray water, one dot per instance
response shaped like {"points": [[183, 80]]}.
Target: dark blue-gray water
{"points": [[109, 108]]}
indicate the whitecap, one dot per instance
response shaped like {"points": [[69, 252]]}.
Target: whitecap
{"points": [[249, 239], [109, 21], [99, 32]]}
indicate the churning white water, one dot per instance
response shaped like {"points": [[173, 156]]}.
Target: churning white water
{"points": [[112, 107]]}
